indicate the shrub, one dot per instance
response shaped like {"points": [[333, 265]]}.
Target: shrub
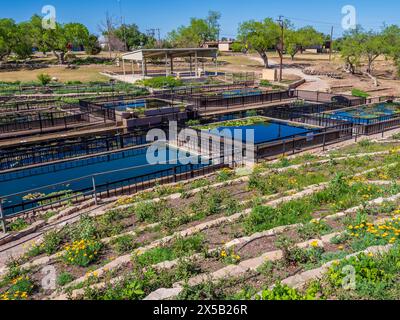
{"points": [[44, 79], [18, 225], [124, 244], [283, 292], [21, 288], [82, 253], [64, 278], [162, 82], [359, 93]]}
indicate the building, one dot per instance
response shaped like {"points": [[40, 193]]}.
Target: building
{"points": [[191, 62], [223, 46]]}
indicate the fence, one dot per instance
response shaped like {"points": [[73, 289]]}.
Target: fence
{"points": [[28, 105], [323, 97], [129, 185], [42, 120], [11, 89], [309, 140], [63, 149]]}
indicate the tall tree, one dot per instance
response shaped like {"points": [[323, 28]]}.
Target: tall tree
{"points": [[373, 46], [351, 49], [260, 36], [298, 40], [131, 36], [391, 40], [197, 33], [61, 39], [8, 31]]}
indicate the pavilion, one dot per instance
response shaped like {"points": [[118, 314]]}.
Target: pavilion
{"points": [[142, 58]]}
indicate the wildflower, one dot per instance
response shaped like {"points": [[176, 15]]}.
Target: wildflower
{"points": [[314, 244]]}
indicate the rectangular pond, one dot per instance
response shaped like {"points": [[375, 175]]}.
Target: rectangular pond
{"points": [[265, 130], [126, 106], [122, 168], [369, 114]]}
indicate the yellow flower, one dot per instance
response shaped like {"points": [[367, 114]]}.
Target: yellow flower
{"points": [[314, 244]]}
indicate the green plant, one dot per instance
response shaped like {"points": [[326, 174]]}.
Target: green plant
{"points": [[124, 244], [64, 278], [359, 93], [283, 292], [82, 253], [314, 229], [44, 79], [51, 242], [17, 225], [162, 82], [180, 247]]}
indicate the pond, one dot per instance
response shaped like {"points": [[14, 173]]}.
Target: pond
{"points": [[133, 164], [367, 114], [123, 106], [264, 130]]}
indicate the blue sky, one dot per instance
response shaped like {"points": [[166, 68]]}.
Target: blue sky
{"points": [[168, 14]]}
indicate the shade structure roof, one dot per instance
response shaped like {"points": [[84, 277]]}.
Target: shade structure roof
{"points": [[140, 55]]}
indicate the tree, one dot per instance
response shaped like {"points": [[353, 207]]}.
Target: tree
{"points": [[63, 38], [131, 36], [297, 40], [8, 30], [260, 36], [391, 40], [373, 46], [197, 33], [22, 48], [92, 45], [351, 50]]}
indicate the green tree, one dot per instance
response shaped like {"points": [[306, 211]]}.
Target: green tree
{"points": [[131, 36], [197, 33], [8, 31], [373, 46], [22, 48], [92, 45], [391, 40], [59, 40], [260, 36], [297, 40], [352, 50]]}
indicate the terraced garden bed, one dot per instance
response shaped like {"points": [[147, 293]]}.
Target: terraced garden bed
{"points": [[184, 236]]}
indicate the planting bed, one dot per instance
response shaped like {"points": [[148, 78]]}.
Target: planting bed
{"points": [[185, 238]]}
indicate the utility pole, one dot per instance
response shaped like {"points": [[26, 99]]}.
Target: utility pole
{"points": [[152, 33], [331, 46], [281, 22]]}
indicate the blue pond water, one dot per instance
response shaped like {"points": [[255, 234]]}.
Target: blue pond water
{"points": [[366, 115], [241, 93], [42, 176], [266, 132], [144, 103]]}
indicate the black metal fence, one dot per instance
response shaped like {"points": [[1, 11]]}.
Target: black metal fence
{"points": [[42, 120], [127, 186], [309, 140], [28, 105], [20, 89], [18, 157]]}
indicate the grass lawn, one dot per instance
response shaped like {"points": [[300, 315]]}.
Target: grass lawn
{"points": [[82, 73]]}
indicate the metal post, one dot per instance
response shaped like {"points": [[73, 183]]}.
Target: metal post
{"points": [[2, 220], [94, 190]]}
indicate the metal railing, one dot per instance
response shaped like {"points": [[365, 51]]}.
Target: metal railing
{"points": [[62, 149], [128, 185]]}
